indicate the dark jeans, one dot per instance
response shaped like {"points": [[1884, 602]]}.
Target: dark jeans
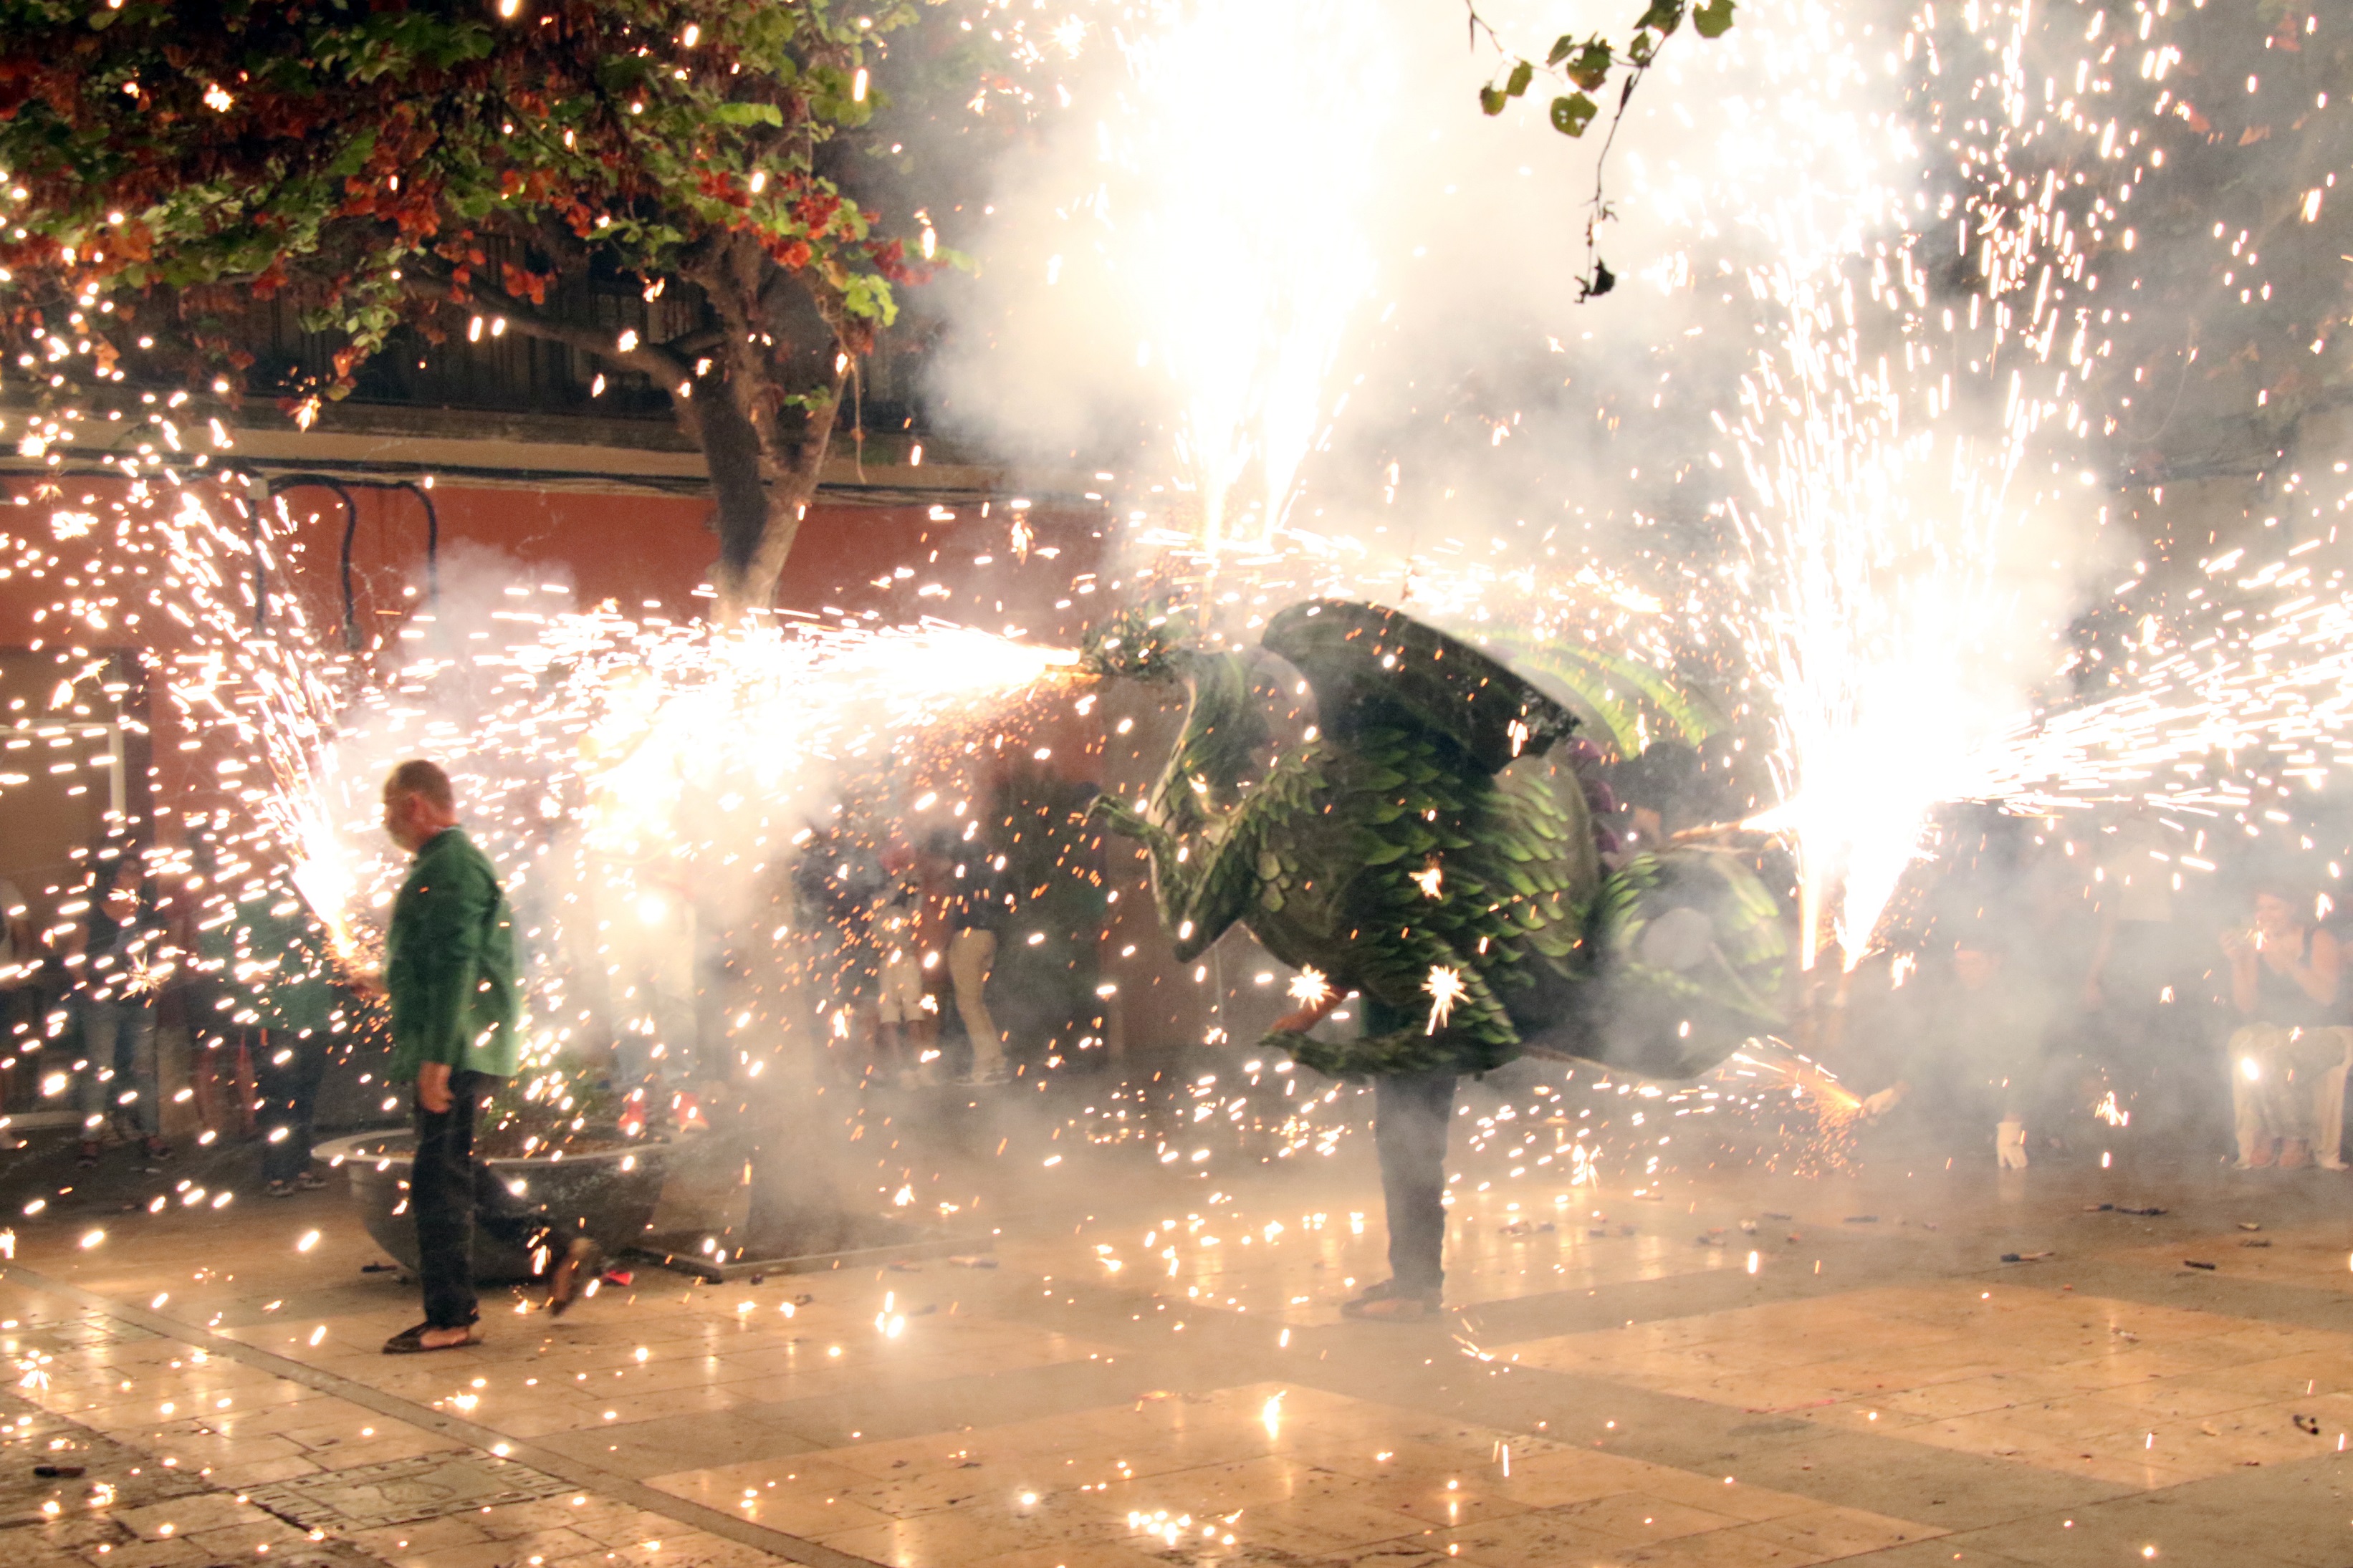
{"points": [[289, 1089], [118, 1082], [1410, 1116], [20, 1018], [451, 1193]]}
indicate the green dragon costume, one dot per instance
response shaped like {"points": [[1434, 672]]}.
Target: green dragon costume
{"points": [[1422, 847]]}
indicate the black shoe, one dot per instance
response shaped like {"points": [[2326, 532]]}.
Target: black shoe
{"points": [[573, 1274]]}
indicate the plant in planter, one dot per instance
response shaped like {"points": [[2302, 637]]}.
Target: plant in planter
{"points": [[550, 1139], [562, 1106]]}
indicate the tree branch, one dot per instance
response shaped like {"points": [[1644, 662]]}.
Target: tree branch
{"points": [[655, 360]]}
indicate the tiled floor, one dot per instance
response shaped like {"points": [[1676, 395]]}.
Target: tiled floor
{"points": [[1734, 1368]]}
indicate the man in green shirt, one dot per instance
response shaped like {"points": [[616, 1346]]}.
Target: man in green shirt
{"points": [[452, 981]]}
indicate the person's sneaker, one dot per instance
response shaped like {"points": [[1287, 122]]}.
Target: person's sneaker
{"points": [[311, 1181], [88, 1155], [280, 1189], [156, 1149]]}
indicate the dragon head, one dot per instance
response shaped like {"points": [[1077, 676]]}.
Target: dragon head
{"points": [[1145, 642]]}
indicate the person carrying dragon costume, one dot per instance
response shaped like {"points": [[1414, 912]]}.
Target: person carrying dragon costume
{"points": [[1419, 848]]}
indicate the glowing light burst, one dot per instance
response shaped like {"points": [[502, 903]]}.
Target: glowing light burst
{"points": [[1876, 632], [1883, 440], [1311, 987], [1768, 1065], [2270, 680], [603, 760], [1444, 988], [656, 755], [1230, 224]]}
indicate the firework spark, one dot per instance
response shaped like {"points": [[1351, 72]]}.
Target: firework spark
{"points": [[1444, 988]]}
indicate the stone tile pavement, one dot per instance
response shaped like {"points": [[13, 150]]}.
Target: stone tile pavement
{"points": [[1740, 1370]]}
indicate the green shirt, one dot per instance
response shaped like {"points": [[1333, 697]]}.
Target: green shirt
{"points": [[450, 964], [265, 954]]}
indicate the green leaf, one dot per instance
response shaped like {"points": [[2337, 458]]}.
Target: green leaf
{"points": [[1562, 48], [1492, 99], [1664, 16], [1712, 18], [745, 114], [1572, 114], [1522, 74], [1590, 68], [355, 154]]}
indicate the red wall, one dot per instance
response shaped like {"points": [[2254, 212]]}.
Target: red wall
{"points": [[628, 549]]}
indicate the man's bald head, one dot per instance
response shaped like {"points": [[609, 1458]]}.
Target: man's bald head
{"points": [[418, 777], [418, 803]]}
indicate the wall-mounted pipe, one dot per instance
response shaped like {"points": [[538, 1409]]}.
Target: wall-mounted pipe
{"points": [[342, 488]]}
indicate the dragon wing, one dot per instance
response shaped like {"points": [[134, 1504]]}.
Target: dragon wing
{"points": [[1368, 664]]}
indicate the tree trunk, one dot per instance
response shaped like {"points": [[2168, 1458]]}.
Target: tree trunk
{"points": [[762, 495], [740, 488], [750, 580], [764, 476]]}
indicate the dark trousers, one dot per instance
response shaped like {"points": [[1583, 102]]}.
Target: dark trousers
{"points": [[1411, 1113], [451, 1193], [288, 1091]]}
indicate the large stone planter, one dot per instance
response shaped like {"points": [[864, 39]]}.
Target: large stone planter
{"points": [[609, 1194]]}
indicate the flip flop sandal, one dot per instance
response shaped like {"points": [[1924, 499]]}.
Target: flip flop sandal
{"points": [[411, 1342], [575, 1273]]}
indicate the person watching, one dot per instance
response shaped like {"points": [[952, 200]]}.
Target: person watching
{"points": [[2283, 983]]}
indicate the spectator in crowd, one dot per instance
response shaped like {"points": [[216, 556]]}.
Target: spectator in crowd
{"points": [[2290, 1051], [905, 1018], [971, 911], [1967, 1054], [21, 959], [267, 953], [122, 956], [2136, 985]]}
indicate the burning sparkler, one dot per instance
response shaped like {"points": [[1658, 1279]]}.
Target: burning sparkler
{"points": [[1444, 988]]}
